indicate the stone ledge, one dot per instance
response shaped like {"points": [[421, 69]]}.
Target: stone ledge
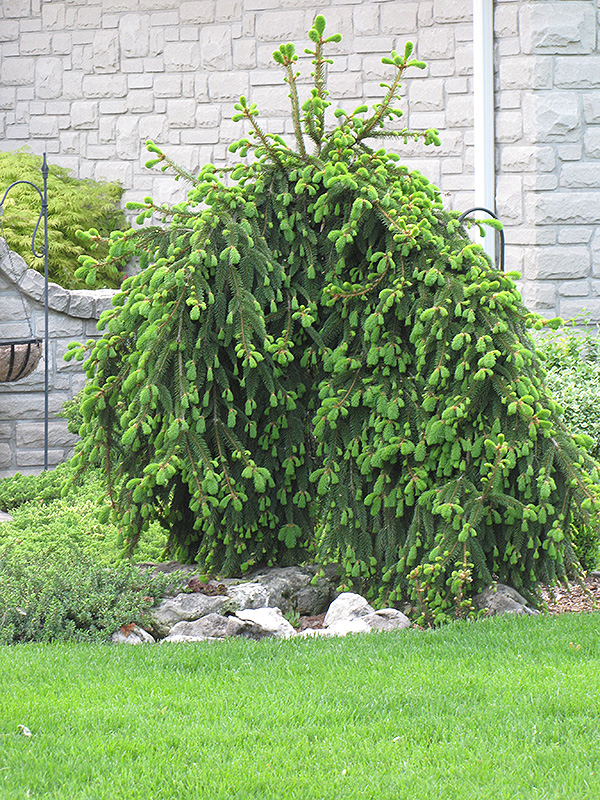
{"points": [[82, 303]]}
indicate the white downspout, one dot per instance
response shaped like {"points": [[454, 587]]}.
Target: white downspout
{"points": [[483, 106]]}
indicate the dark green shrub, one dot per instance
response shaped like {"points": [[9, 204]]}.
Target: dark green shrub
{"points": [[59, 594], [72, 204], [316, 361]]}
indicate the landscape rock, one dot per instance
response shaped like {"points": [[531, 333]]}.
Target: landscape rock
{"points": [[184, 608], [290, 588], [342, 627], [266, 622], [132, 634], [208, 628], [347, 606], [248, 595], [386, 619], [502, 599]]}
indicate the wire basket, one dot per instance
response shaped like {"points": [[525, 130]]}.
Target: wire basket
{"points": [[18, 358]]}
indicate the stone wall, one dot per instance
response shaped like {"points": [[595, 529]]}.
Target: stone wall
{"points": [[72, 317], [90, 80], [548, 150]]}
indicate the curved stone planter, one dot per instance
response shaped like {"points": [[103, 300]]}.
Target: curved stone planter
{"points": [[73, 316]]}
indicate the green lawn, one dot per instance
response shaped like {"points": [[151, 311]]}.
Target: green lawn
{"points": [[505, 708]]}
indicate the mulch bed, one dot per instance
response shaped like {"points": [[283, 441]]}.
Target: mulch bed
{"points": [[563, 600]]}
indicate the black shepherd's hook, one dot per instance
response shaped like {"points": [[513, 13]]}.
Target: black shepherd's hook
{"points": [[465, 214], [43, 193]]}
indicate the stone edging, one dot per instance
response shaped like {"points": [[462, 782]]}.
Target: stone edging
{"points": [[80, 303]]}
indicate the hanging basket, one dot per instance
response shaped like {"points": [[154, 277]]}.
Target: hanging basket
{"points": [[18, 358]]}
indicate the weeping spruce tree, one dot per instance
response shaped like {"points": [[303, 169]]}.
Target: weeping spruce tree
{"points": [[316, 363]]}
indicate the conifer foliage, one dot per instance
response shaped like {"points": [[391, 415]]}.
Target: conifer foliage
{"points": [[72, 204], [315, 361]]}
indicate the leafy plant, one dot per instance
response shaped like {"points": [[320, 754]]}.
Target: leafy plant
{"points": [[20, 489], [572, 360], [571, 357], [316, 361], [72, 204], [60, 594], [54, 512]]}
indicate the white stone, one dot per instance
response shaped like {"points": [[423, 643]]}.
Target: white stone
{"points": [[197, 12], [215, 47], [459, 111], [128, 138], [181, 112], [211, 627], [342, 627], [577, 72], [16, 8], [569, 152], [106, 51], [591, 107], [97, 86], [140, 101], [537, 296], [184, 608], [509, 198], [574, 289], [34, 44], [386, 619], [167, 86], [84, 114], [519, 158], [227, 86], [463, 59], [136, 635], [134, 35], [268, 622], [580, 175], [394, 19], [437, 42], [523, 72], [182, 56], [9, 31], [347, 606], [248, 595], [343, 85], [17, 71], [451, 11], [244, 54], [591, 140], [551, 116], [589, 306], [568, 207], [565, 27], [560, 262], [5, 461], [427, 95], [508, 126], [280, 26], [505, 21]]}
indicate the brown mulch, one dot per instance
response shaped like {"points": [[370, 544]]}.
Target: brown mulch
{"points": [[563, 599]]}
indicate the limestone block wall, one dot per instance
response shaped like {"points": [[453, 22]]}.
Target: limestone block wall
{"points": [[548, 150], [72, 317], [89, 81]]}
